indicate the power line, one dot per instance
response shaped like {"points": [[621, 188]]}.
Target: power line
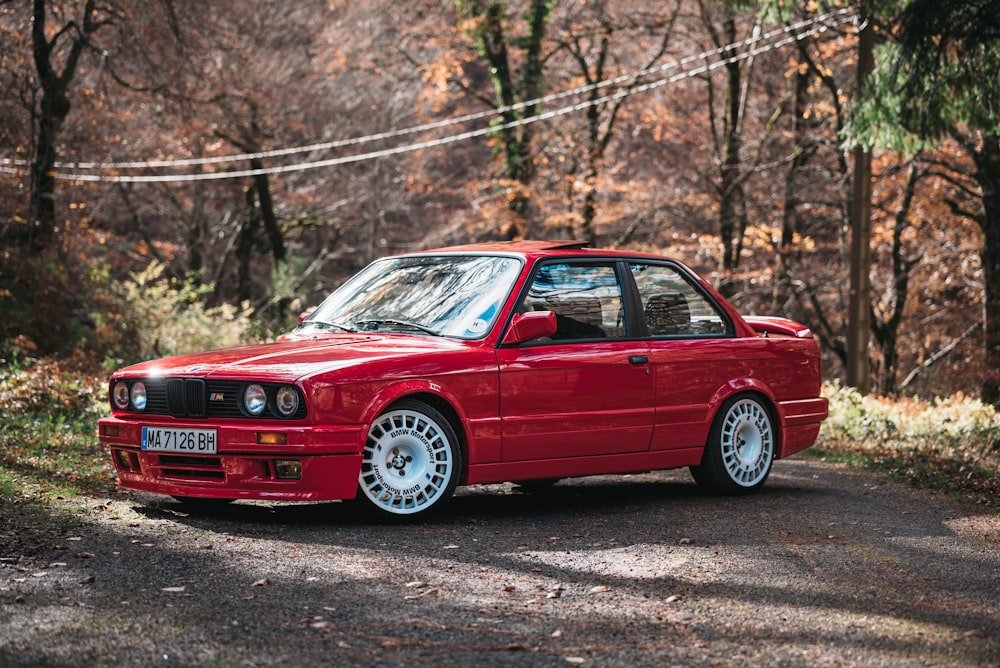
{"points": [[760, 44]]}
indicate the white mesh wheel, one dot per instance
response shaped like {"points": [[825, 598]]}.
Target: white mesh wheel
{"points": [[411, 460], [740, 448]]}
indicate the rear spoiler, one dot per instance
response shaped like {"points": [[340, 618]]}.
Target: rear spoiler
{"points": [[771, 326]]}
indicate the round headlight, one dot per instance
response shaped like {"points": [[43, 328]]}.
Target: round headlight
{"points": [[254, 399], [119, 395], [286, 400], [138, 395]]}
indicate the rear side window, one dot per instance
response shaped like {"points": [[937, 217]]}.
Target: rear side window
{"points": [[586, 298], [672, 306]]}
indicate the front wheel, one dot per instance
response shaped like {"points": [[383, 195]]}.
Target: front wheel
{"points": [[740, 448], [411, 461]]}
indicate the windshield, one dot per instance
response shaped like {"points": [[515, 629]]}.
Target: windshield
{"points": [[447, 295]]}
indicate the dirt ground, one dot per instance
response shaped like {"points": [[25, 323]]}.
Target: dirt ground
{"points": [[824, 567]]}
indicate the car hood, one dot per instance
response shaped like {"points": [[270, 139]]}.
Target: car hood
{"points": [[292, 358]]}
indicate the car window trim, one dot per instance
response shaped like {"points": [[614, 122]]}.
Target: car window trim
{"points": [[621, 273], [688, 277]]}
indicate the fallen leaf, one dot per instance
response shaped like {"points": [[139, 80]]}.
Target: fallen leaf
{"points": [[557, 633], [39, 574], [90, 579], [674, 598], [450, 547], [685, 541], [423, 594], [85, 555], [321, 624], [976, 633], [416, 584], [263, 582], [554, 594], [509, 588], [599, 589], [174, 590], [343, 645], [575, 660]]}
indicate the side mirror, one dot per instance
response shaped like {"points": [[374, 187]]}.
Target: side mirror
{"points": [[530, 326], [305, 314]]}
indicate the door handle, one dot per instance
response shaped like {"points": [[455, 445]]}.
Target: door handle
{"points": [[638, 360]]}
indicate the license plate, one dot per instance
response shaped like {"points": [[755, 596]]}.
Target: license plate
{"points": [[190, 441]]}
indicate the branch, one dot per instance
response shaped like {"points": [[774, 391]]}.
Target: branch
{"points": [[938, 356], [958, 210]]}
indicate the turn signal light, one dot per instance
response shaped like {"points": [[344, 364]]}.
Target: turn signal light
{"points": [[271, 438], [109, 430]]}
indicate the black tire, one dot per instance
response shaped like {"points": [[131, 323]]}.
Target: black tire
{"points": [[412, 462], [740, 448]]}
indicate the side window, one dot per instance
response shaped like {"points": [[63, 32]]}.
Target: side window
{"points": [[586, 298], [672, 306]]}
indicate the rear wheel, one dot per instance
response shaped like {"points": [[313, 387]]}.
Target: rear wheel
{"points": [[411, 461], [740, 448]]}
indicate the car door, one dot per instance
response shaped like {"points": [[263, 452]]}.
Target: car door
{"points": [[586, 390], [691, 351]]}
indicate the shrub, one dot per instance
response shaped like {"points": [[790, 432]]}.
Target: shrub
{"points": [[157, 317], [951, 443]]}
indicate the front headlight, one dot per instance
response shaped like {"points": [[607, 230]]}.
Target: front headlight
{"points": [[286, 400], [254, 399], [138, 395], [119, 395]]}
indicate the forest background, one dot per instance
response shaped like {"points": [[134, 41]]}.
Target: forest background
{"points": [[178, 175]]}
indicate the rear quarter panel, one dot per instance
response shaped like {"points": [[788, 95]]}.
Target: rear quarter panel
{"points": [[695, 376]]}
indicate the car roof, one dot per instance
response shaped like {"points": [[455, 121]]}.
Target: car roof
{"points": [[533, 249]]}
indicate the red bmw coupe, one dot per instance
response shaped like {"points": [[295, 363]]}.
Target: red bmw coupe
{"points": [[521, 361]]}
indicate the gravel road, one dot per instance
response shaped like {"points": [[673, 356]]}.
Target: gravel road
{"points": [[824, 567]]}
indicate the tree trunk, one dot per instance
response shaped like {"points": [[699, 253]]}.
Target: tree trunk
{"points": [[274, 236], [886, 331], [494, 42], [859, 306], [54, 108], [730, 189], [244, 246], [988, 175]]}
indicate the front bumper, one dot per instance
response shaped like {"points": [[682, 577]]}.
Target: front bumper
{"points": [[326, 462]]}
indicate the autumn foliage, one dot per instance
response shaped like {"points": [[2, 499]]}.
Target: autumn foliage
{"points": [[672, 129]]}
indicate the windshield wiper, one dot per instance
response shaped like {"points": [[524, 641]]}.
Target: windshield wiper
{"points": [[323, 324], [399, 323]]}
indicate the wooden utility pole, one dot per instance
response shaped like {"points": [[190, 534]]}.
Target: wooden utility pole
{"points": [[859, 306]]}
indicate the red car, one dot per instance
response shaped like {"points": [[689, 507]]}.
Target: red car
{"points": [[521, 361]]}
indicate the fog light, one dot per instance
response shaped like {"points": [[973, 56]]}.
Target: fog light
{"points": [[288, 469], [271, 438], [124, 462]]}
